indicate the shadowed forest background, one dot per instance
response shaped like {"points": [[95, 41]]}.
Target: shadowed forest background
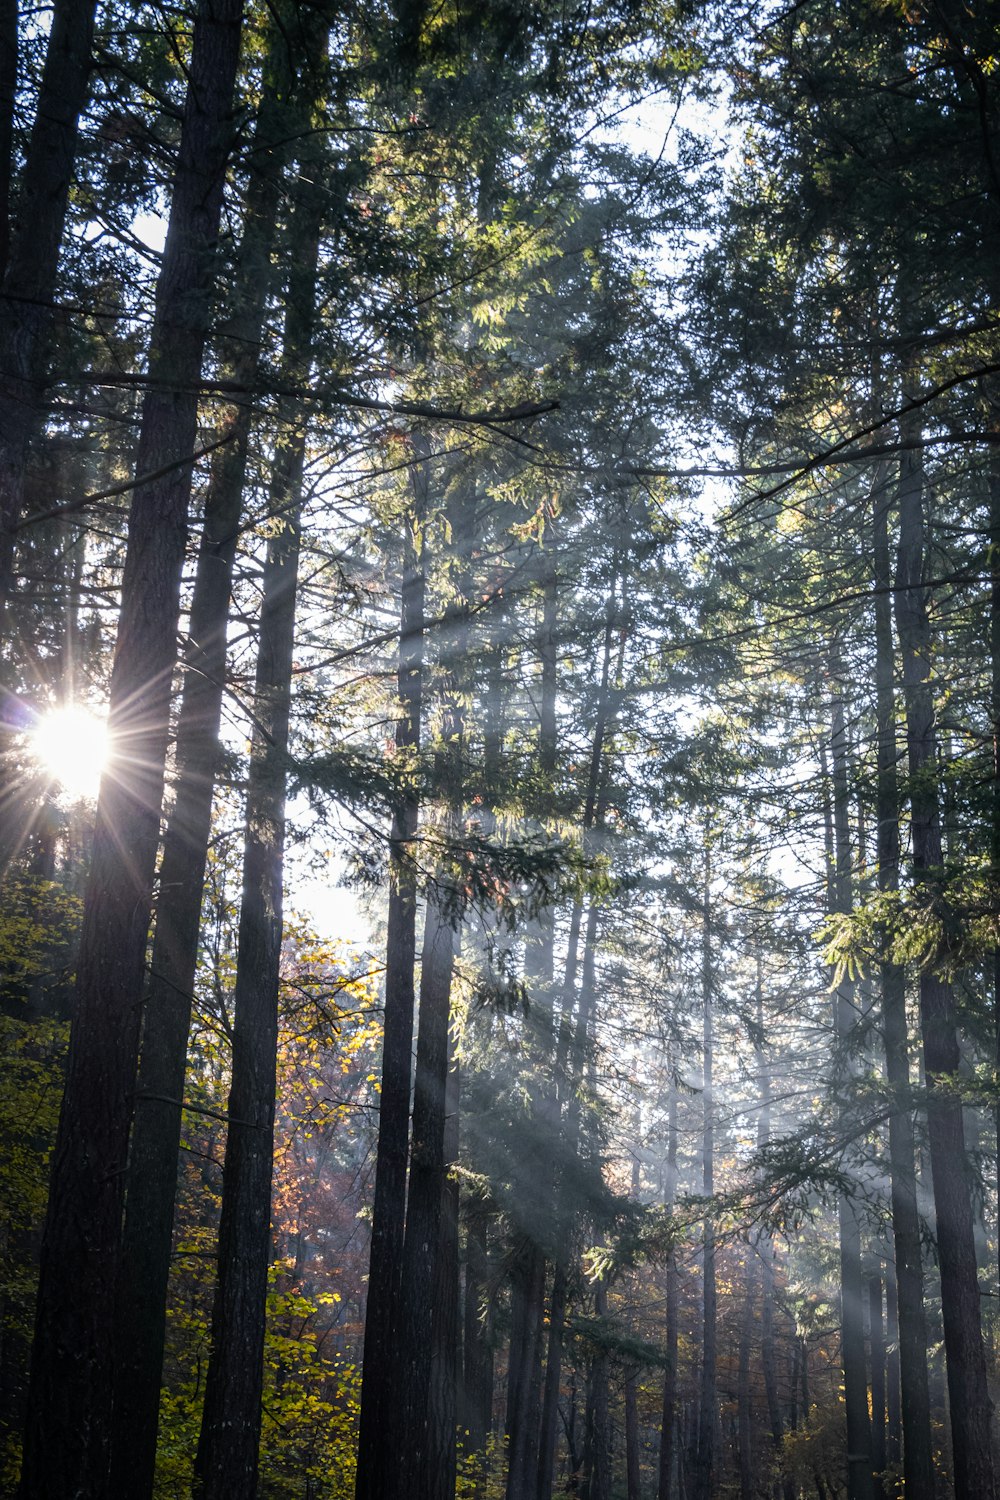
{"points": [[499, 750]]}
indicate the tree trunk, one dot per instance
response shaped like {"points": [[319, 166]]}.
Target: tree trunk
{"points": [[918, 1468], [383, 1314], [8, 96], [442, 1420], [156, 1128], [424, 1208], [570, 1061], [66, 1443], [27, 294], [860, 1485], [668, 1421], [893, 1398], [633, 1461], [960, 1303], [994, 563], [597, 1458], [876, 1347], [227, 1456], [704, 1479], [744, 1402], [528, 1292], [477, 1384]]}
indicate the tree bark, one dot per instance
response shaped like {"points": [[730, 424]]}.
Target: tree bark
{"points": [[156, 1128], [668, 1421], [424, 1207], [27, 294], [633, 1461], [477, 1384], [66, 1442], [383, 1314], [876, 1348], [860, 1485], [227, 1456], [704, 1478], [8, 96], [893, 1398], [744, 1395], [442, 1455], [570, 1060], [597, 1446], [918, 1468], [967, 1387]]}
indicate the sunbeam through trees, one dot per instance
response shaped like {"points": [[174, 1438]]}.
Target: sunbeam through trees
{"points": [[499, 750]]}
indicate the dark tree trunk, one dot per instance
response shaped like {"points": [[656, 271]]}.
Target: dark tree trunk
{"points": [[860, 1485], [27, 294], [570, 1055], [918, 1469], [424, 1208], [531, 1417], [994, 563], [227, 1456], [477, 1383], [876, 1347], [744, 1401], [8, 94], [383, 1313], [704, 1478], [597, 1445], [66, 1444], [156, 1128], [633, 1452], [969, 1401], [668, 1422], [893, 1399], [444, 1365], [528, 1292], [764, 1245]]}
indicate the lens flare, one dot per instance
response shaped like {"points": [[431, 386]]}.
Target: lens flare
{"points": [[70, 744]]}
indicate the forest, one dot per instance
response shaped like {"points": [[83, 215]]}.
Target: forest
{"points": [[499, 749]]}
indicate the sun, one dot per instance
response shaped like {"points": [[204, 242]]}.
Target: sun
{"points": [[70, 743]]}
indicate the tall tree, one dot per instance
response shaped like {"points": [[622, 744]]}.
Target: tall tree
{"points": [[227, 1457], [156, 1129], [66, 1443]]}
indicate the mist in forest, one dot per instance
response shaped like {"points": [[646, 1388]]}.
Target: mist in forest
{"points": [[499, 771]]}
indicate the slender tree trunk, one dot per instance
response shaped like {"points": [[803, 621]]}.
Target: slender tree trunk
{"points": [[27, 293], [383, 1314], [8, 96], [444, 1365], [918, 1466], [66, 1443], [477, 1385], [876, 1346], [967, 1388], [704, 1486], [569, 1063], [153, 1150], [227, 1456], [994, 563], [528, 1293], [597, 1460], [744, 1401], [633, 1452], [668, 1421], [860, 1485], [893, 1397], [424, 1206], [765, 1248]]}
